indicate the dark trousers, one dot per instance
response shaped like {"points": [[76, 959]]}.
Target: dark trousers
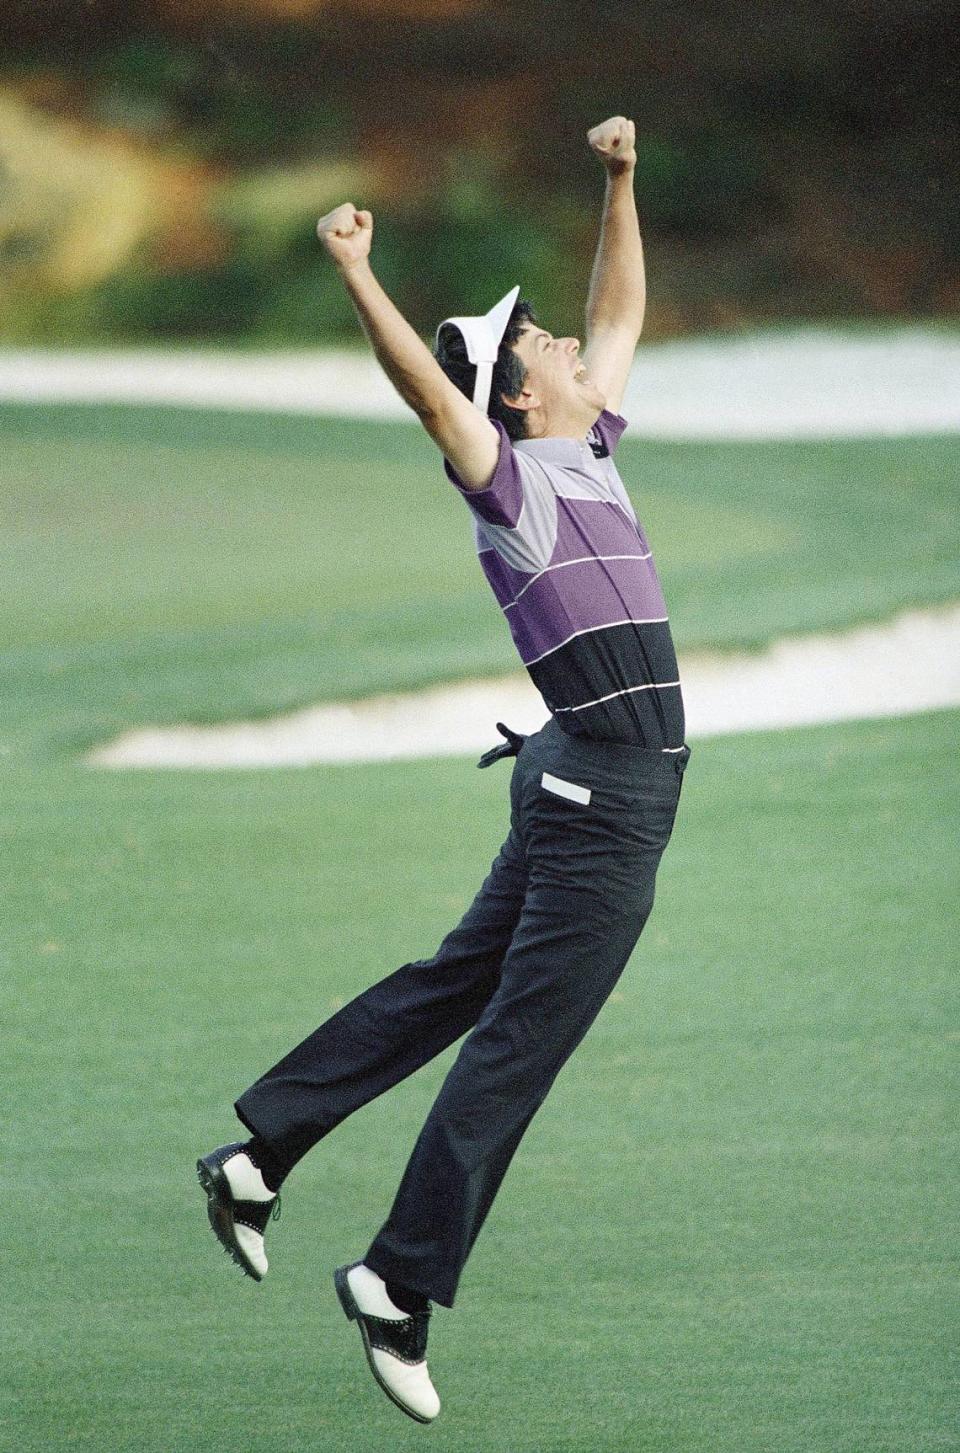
{"points": [[526, 971]]}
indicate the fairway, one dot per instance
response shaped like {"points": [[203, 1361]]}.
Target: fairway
{"points": [[733, 1225]]}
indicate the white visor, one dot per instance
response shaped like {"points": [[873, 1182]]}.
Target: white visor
{"points": [[483, 337]]}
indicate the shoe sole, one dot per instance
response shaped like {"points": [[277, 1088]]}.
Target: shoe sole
{"points": [[353, 1312], [220, 1212]]}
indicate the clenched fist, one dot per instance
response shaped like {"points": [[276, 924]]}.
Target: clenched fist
{"points": [[613, 141], [346, 234]]}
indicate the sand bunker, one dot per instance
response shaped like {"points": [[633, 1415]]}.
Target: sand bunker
{"points": [[908, 665]]}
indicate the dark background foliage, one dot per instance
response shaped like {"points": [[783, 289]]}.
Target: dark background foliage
{"points": [[794, 160]]}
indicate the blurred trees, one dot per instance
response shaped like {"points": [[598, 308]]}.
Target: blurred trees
{"points": [[795, 160]]}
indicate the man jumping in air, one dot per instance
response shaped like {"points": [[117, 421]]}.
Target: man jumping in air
{"points": [[528, 435]]}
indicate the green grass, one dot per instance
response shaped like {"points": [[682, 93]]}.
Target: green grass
{"points": [[732, 1227], [158, 565]]}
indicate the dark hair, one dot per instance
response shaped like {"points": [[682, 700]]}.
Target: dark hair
{"points": [[509, 371]]}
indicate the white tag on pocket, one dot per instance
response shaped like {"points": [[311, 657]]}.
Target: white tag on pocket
{"points": [[565, 789]]}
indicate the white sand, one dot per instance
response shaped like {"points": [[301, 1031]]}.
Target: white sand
{"points": [[911, 664], [800, 383]]}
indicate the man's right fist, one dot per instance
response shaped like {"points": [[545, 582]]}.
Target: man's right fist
{"points": [[346, 234]]}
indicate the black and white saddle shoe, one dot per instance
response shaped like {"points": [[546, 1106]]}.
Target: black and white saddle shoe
{"points": [[239, 1204], [395, 1341]]}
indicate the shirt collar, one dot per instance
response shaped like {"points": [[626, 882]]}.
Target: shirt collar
{"points": [[556, 450]]}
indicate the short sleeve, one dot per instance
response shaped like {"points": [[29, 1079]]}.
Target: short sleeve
{"points": [[609, 428], [502, 500], [517, 512]]}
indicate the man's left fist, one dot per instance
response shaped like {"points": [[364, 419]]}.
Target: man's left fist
{"points": [[613, 142]]}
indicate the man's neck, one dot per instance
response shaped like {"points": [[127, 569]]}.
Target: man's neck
{"points": [[576, 429]]}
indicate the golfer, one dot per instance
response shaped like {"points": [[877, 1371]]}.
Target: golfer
{"points": [[529, 434]]}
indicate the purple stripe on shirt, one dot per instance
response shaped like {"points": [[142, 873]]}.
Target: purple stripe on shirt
{"points": [[504, 580], [594, 527], [586, 528], [578, 598], [502, 500]]}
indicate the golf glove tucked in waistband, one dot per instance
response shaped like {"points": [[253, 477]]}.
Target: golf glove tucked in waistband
{"points": [[509, 748]]}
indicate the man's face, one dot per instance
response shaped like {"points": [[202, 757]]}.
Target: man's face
{"points": [[562, 400]]}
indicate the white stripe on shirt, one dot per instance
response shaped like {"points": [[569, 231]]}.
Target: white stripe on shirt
{"points": [[581, 560], [587, 630], [647, 686]]}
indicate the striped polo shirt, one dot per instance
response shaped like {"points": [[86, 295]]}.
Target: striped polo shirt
{"points": [[573, 573]]}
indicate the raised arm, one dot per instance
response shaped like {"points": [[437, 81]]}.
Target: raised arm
{"points": [[465, 436], [617, 298]]}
